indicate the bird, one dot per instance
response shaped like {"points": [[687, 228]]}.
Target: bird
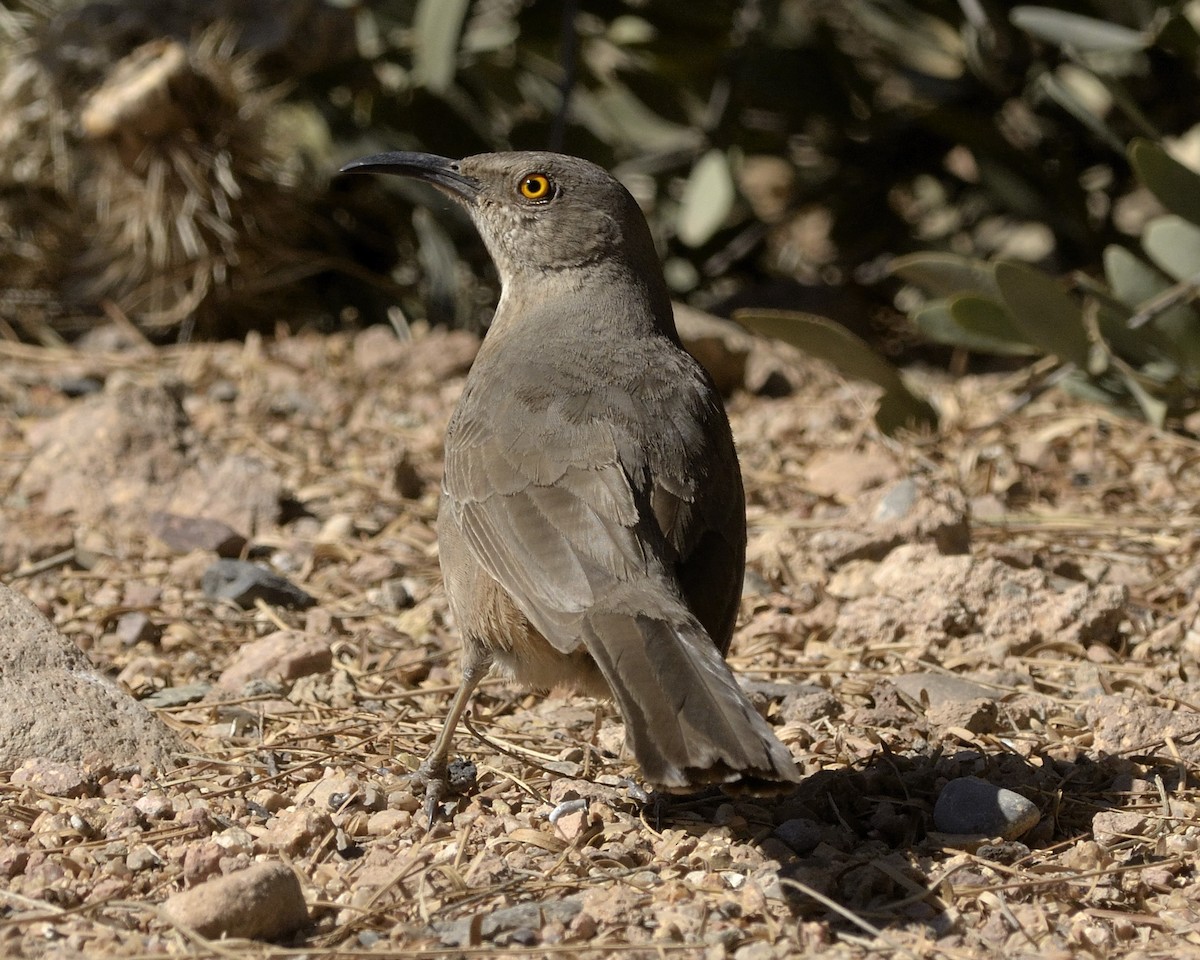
{"points": [[592, 523]]}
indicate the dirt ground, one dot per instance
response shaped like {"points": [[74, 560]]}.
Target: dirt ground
{"points": [[1041, 551]]}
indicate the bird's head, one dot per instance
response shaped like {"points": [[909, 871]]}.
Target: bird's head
{"points": [[536, 211]]}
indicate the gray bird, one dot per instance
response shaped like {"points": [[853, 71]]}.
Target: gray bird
{"points": [[592, 528]]}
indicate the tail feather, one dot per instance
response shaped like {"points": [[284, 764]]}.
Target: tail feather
{"points": [[686, 719]]}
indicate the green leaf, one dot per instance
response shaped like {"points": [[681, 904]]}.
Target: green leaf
{"points": [[1076, 31], [707, 199], [988, 321], [487, 36], [937, 322], [921, 42], [1044, 312], [1176, 187], [1058, 89], [437, 27], [1172, 333], [628, 30], [1153, 409], [1174, 245], [1133, 281], [945, 274], [615, 115], [818, 337]]}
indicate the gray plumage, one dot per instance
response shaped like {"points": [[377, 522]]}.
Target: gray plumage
{"points": [[592, 526]]}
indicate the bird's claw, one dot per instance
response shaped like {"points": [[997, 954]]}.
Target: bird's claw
{"points": [[441, 779]]}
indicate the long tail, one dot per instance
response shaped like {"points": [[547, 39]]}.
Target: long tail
{"points": [[686, 719]]}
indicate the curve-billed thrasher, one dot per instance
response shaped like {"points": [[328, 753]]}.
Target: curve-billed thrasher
{"points": [[592, 527]]}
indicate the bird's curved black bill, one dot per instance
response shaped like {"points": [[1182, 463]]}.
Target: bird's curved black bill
{"points": [[439, 171]]}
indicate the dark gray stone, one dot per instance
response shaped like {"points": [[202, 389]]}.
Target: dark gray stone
{"points": [[973, 807], [521, 923], [244, 583]]}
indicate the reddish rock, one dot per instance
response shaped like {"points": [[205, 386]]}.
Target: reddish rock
{"points": [[282, 656], [52, 777], [292, 831], [182, 534], [262, 902]]}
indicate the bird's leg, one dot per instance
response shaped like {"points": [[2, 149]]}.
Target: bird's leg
{"points": [[433, 771], [597, 716]]}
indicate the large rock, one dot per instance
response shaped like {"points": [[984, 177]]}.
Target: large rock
{"points": [[126, 453], [957, 602], [56, 705]]}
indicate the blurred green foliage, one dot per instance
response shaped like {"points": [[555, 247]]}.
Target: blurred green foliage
{"points": [[898, 407], [783, 149], [786, 152], [1131, 340]]}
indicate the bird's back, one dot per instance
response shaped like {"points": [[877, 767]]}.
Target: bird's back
{"points": [[545, 401]]}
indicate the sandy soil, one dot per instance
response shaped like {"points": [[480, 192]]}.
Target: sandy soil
{"points": [[1070, 623]]}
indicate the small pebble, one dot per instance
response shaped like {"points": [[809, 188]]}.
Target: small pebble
{"points": [[155, 805], [52, 777], [571, 826], [184, 534], [898, 502], [79, 386], [223, 391], [135, 627], [293, 831], [970, 806], [799, 834], [387, 822], [244, 583], [1112, 826], [142, 857], [939, 689]]}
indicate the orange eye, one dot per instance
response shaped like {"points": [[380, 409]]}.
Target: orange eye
{"points": [[535, 186]]}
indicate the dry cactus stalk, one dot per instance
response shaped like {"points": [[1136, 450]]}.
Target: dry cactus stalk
{"points": [[163, 191], [194, 212]]}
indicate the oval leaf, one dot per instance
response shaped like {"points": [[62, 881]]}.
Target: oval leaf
{"points": [[922, 42], [707, 199], [1172, 332], [944, 274], [619, 117], [1044, 312], [988, 322], [437, 26], [1174, 245], [1153, 408], [1076, 31], [1176, 187], [851, 355], [1132, 280], [1061, 92], [936, 322]]}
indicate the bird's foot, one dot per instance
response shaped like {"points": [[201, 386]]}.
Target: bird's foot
{"points": [[656, 807], [635, 790], [441, 779], [653, 803]]}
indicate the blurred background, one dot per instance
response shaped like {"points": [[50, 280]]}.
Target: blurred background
{"points": [[963, 185]]}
